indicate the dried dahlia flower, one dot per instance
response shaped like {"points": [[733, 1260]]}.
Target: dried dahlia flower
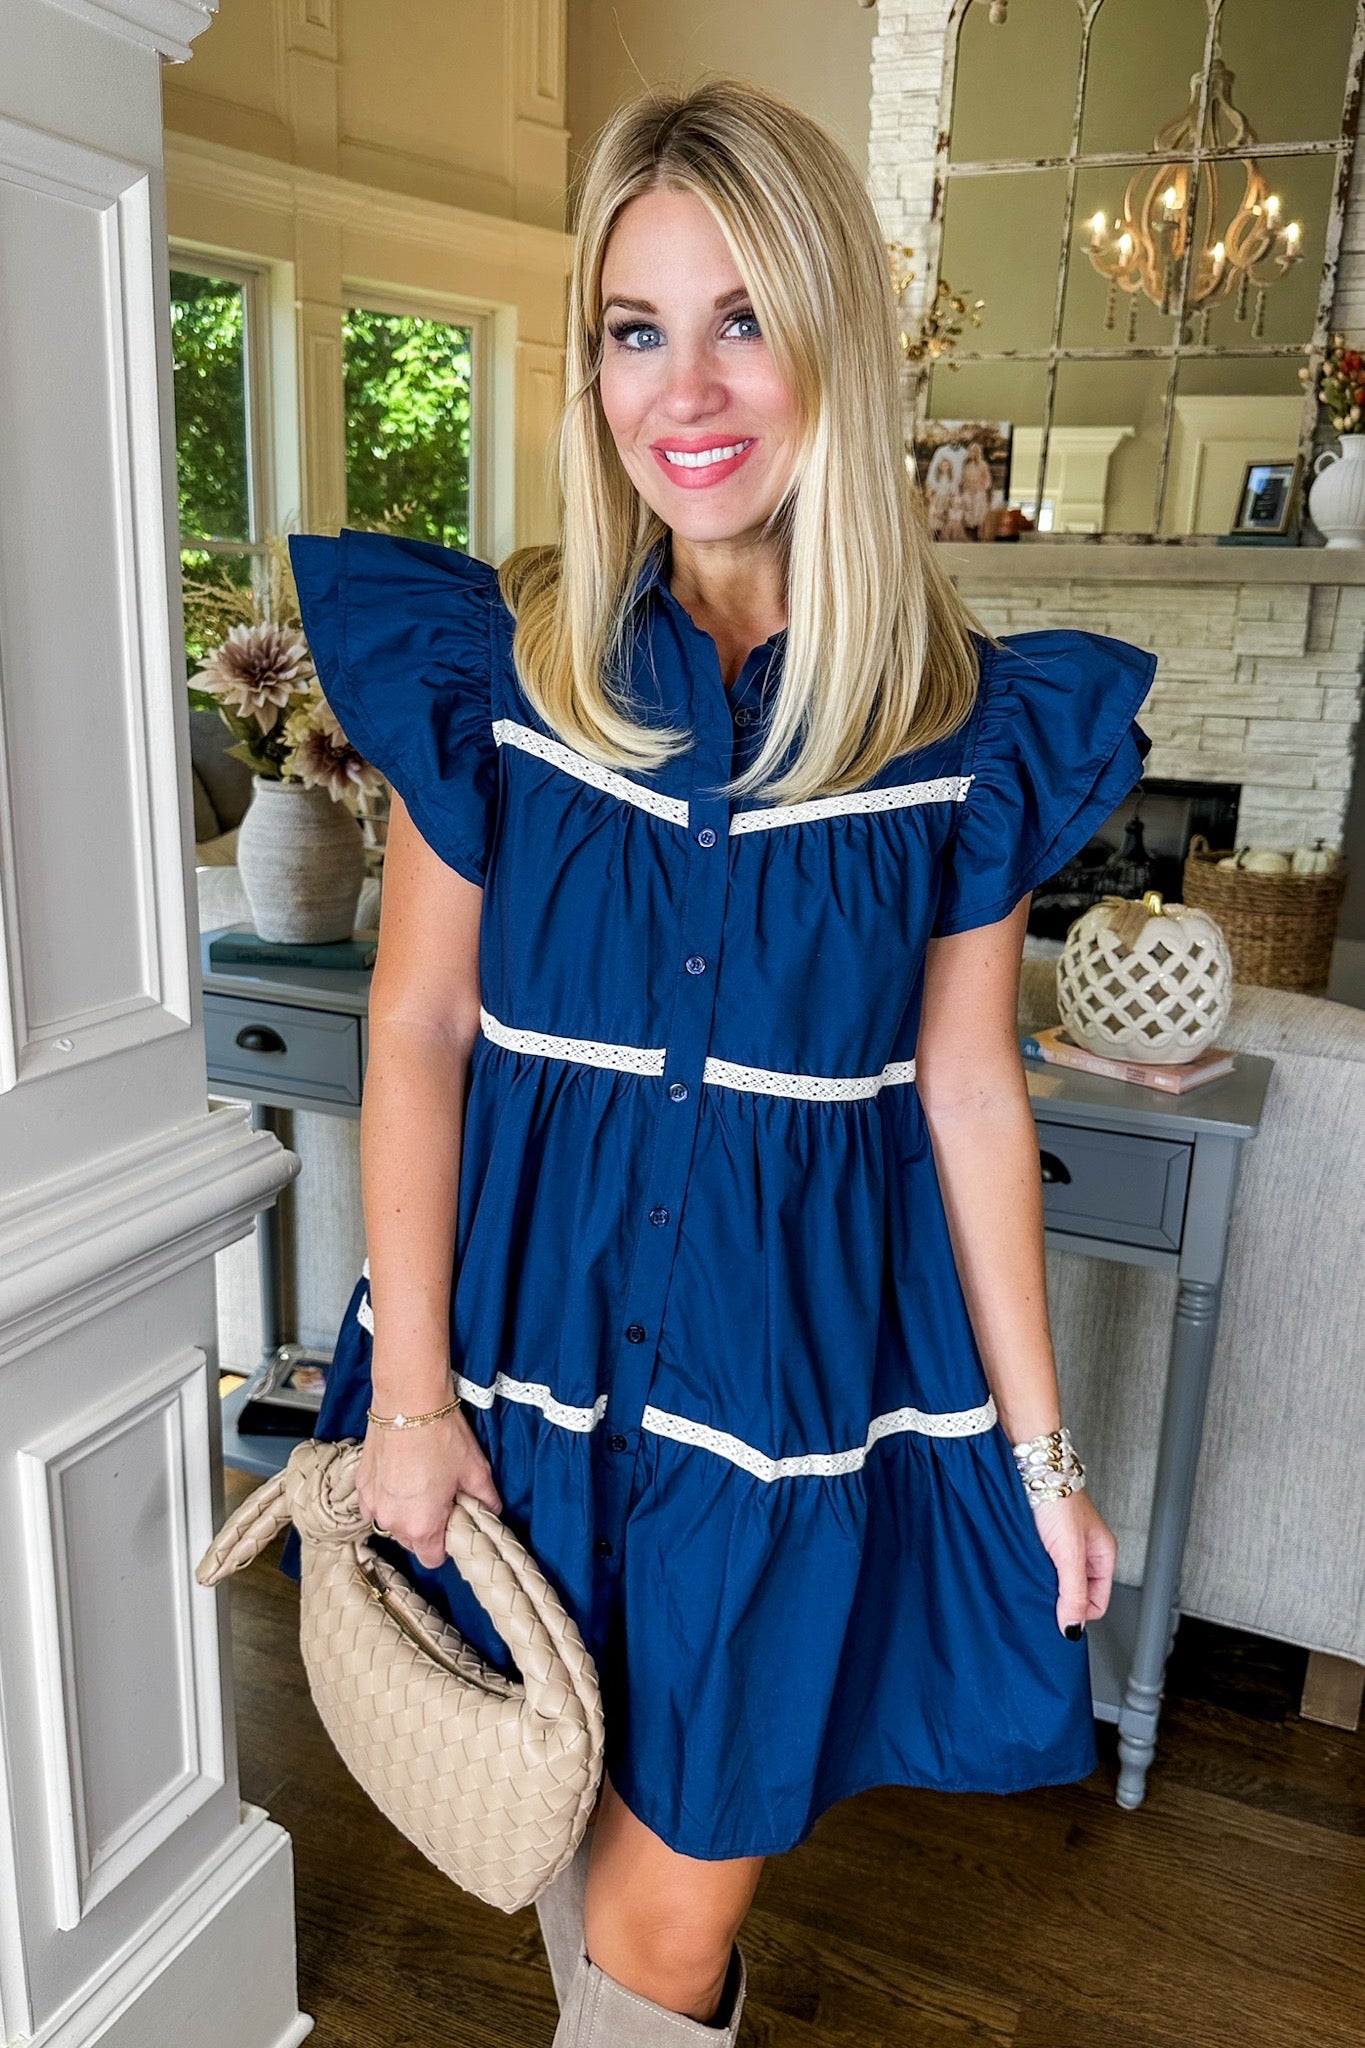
{"points": [[322, 756], [257, 670]]}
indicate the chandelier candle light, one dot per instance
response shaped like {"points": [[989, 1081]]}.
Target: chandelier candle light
{"points": [[1164, 213]]}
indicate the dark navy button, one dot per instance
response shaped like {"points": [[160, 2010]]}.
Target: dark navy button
{"points": [[618, 1442], [603, 1546], [677, 1091], [695, 963], [745, 715], [658, 1215], [635, 1332], [706, 837]]}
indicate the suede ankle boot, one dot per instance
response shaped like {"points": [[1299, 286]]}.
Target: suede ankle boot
{"points": [[560, 1912], [600, 2013]]}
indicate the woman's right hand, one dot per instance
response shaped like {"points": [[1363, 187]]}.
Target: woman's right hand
{"points": [[407, 1480]]}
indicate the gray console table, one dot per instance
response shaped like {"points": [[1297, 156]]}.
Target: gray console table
{"points": [[1128, 1174]]}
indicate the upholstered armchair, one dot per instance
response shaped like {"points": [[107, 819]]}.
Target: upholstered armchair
{"points": [[1277, 1536]]}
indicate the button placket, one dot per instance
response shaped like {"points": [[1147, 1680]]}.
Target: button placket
{"points": [[697, 939]]}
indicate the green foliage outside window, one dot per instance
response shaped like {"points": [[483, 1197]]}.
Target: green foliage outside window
{"points": [[408, 425], [407, 445], [208, 341]]}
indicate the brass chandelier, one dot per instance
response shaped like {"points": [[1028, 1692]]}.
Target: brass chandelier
{"points": [[1146, 248]]}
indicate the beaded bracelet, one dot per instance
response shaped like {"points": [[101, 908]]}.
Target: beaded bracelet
{"points": [[1049, 1467]]}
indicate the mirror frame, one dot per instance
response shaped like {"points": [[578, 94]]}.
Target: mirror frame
{"points": [[1076, 160]]}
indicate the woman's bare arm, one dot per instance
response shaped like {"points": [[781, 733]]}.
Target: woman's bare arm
{"points": [[971, 1083], [423, 1019]]}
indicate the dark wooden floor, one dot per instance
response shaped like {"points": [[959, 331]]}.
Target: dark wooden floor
{"points": [[1229, 1912]]}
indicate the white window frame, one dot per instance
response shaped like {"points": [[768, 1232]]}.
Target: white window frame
{"points": [[450, 312], [256, 391]]}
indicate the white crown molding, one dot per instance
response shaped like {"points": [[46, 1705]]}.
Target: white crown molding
{"points": [[72, 1247], [169, 26], [218, 171]]}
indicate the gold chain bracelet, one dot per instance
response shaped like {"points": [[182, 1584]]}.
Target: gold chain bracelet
{"points": [[412, 1421]]}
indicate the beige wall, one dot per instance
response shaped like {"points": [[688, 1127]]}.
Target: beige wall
{"points": [[459, 101], [416, 153], [817, 53], [409, 153]]}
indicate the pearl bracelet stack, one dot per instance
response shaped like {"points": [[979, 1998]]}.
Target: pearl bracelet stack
{"points": [[1049, 1467]]}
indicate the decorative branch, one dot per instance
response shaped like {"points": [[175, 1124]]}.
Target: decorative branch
{"points": [[940, 326]]}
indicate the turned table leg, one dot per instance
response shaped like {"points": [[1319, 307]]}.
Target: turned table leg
{"points": [[1182, 1427]]}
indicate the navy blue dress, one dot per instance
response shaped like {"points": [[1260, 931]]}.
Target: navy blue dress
{"points": [[704, 1312]]}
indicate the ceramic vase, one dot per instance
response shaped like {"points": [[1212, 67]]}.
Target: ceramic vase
{"points": [[1336, 503], [302, 862]]}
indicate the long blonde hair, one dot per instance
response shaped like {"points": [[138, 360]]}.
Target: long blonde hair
{"points": [[879, 657]]}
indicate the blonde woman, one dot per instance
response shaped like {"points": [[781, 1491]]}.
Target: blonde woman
{"points": [[701, 1188], [976, 491]]}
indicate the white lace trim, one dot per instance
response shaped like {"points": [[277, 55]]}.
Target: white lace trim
{"points": [[819, 1464], [658, 1421], [529, 1391], [645, 1059], [534, 1395], [949, 789], [592, 1052], [807, 1087], [508, 733]]}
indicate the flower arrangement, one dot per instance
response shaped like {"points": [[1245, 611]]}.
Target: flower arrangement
{"points": [[257, 674], [1340, 385]]}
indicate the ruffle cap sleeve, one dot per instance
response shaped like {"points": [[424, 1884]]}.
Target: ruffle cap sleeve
{"points": [[401, 634], [1053, 751]]}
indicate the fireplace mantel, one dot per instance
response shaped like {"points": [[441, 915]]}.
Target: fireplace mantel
{"points": [[1258, 658], [1060, 561]]}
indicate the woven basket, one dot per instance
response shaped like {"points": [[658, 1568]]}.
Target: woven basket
{"points": [[1279, 928]]}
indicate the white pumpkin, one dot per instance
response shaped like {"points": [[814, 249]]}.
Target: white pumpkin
{"points": [[1317, 859], [1265, 860], [1148, 981]]}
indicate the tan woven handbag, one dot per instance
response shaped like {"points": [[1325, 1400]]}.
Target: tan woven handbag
{"points": [[493, 1780]]}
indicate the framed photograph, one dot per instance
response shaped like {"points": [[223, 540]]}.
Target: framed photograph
{"points": [[286, 1393], [1266, 503], [964, 472]]}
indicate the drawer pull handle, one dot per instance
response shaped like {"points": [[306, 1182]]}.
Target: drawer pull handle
{"points": [[260, 1038], [1055, 1171]]}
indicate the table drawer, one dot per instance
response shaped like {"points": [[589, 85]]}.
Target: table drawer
{"points": [[263, 1047], [1110, 1184]]}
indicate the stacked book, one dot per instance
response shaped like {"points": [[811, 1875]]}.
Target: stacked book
{"points": [[238, 945], [1059, 1049]]}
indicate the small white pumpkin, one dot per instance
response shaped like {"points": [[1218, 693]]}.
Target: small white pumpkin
{"points": [[1265, 860], [1317, 859], [1147, 981]]}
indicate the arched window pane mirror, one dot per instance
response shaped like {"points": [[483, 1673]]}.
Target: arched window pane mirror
{"points": [[1147, 196]]}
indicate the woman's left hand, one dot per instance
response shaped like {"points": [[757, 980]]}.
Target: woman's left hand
{"points": [[1084, 1549]]}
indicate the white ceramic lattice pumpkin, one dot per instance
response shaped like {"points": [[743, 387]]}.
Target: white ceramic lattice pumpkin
{"points": [[1148, 981]]}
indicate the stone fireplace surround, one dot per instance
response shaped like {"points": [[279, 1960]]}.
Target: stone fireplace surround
{"points": [[1257, 681], [1259, 672]]}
